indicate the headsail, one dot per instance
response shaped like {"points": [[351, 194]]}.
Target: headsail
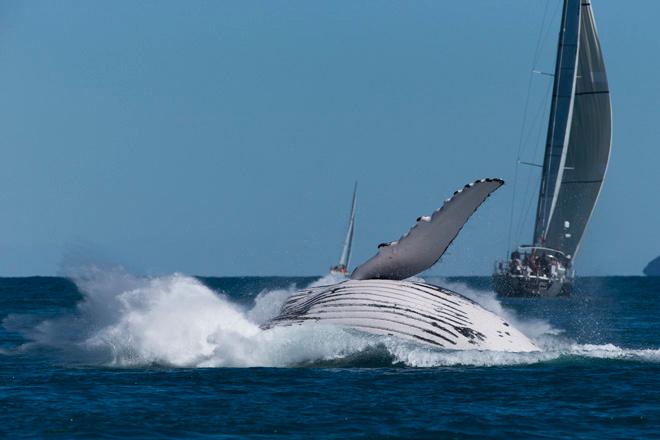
{"points": [[345, 258], [589, 143], [429, 238], [561, 113]]}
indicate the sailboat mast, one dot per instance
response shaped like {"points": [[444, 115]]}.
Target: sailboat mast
{"points": [[560, 117], [345, 258]]}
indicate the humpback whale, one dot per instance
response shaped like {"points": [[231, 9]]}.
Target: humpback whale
{"points": [[380, 298]]}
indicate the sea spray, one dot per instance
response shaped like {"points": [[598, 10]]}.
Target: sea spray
{"points": [[532, 327], [176, 320], [268, 303]]}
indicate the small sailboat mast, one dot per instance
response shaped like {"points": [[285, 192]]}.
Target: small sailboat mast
{"points": [[345, 258], [348, 241]]}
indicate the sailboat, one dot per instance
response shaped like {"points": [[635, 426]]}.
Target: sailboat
{"points": [[342, 267], [576, 156]]}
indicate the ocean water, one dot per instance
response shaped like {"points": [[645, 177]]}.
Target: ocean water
{"points": [[108, 354]]}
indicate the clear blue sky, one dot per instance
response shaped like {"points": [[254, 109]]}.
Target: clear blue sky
{"points": [[223, 138]]}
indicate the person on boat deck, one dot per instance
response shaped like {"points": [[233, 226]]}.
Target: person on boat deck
{"points": [[544, 265], [538, 265], [553, 266], [514, 266]]}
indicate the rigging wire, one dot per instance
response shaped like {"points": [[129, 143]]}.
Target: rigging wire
{"points": [[528, 198], [537, 127], [541, 37]]}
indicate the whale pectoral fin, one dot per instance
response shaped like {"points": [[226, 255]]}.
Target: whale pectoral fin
{"points": [[429, 238]]}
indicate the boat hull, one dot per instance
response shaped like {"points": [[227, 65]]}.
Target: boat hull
{"points": [[339, 272], [530, 286]]}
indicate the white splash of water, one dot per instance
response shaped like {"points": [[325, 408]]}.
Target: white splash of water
{"points": [[536, 329], [329, 279], [420, 357], [176, 320], [267, 304]]}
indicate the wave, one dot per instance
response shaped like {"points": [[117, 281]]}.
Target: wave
{"points": [[129, 321]]}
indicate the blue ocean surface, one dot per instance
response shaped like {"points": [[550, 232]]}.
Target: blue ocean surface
{"points": [[106, 354]]}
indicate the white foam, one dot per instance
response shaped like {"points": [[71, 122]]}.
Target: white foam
{"points": [[536, 329], [419, 357], [175, 320], [610, 351], [268, 303], [326, 280]]}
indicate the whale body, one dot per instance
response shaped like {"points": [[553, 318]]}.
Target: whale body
{"points": [[379, 300], [406, 309]]}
